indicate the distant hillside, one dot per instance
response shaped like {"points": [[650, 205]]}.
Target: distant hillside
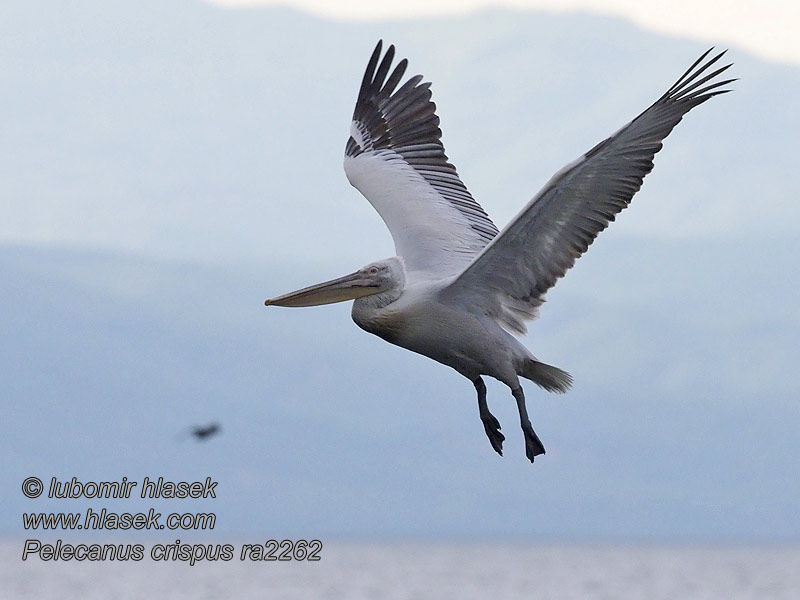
{"points": [[177, 129]]}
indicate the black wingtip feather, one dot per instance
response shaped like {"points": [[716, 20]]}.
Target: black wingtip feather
{"points": [[685, 89], [395, 78]]}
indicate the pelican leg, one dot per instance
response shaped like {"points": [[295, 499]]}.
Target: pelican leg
{"points": [[533, 445], [490, 423]]}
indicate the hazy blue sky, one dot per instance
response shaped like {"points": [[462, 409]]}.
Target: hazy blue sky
{"points": [[166, 170]]}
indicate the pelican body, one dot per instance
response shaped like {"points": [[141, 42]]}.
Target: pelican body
{"points": [[458, 289]]}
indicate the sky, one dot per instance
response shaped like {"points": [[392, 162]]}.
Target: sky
{"points": [[767, 28], [160, 189]]}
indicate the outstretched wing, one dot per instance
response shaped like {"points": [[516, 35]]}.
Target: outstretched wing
{"points": [[508, 280], [395, 157]]}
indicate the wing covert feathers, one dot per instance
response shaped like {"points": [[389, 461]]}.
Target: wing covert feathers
{"points": [[512, 274]]}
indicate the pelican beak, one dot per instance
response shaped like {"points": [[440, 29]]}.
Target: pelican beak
{"points": [[348, 287]]}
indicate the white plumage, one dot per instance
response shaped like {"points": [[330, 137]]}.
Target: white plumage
{"points": [[458, 289]]}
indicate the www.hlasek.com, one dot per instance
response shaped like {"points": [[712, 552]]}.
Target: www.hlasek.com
{"points": [[114, 521], [102, 519]]}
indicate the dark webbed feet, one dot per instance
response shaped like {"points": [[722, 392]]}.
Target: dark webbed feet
{"points": [[492, 428], [533, 445], [490, 424]]}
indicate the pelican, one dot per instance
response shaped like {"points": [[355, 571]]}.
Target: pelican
{"points": [[459, 290]]}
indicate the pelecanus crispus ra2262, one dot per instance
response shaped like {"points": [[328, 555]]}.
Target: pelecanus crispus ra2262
{"points": [[459, 290]]}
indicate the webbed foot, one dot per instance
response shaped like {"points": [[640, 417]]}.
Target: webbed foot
{"points": [[533, 445], [490, 424], [492, 427]]}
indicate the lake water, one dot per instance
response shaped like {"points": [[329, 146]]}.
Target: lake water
{"points": [[427, 571]]}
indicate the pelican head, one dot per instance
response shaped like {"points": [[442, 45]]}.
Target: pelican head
{"points": [[375, 278]]}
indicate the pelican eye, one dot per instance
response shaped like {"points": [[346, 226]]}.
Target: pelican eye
{"points": [[373, 270]]}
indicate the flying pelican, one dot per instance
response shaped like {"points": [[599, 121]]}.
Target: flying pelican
{"points": [[458, 289]]}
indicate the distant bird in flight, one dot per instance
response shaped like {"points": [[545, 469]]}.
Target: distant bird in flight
{"points": [[458, 289], [202, 433]]}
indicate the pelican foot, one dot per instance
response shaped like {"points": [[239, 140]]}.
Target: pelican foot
{"points": [[492, 427], [533, 445]]}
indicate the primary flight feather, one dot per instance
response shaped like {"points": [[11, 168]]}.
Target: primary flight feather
{"points": [[458, 288]]}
